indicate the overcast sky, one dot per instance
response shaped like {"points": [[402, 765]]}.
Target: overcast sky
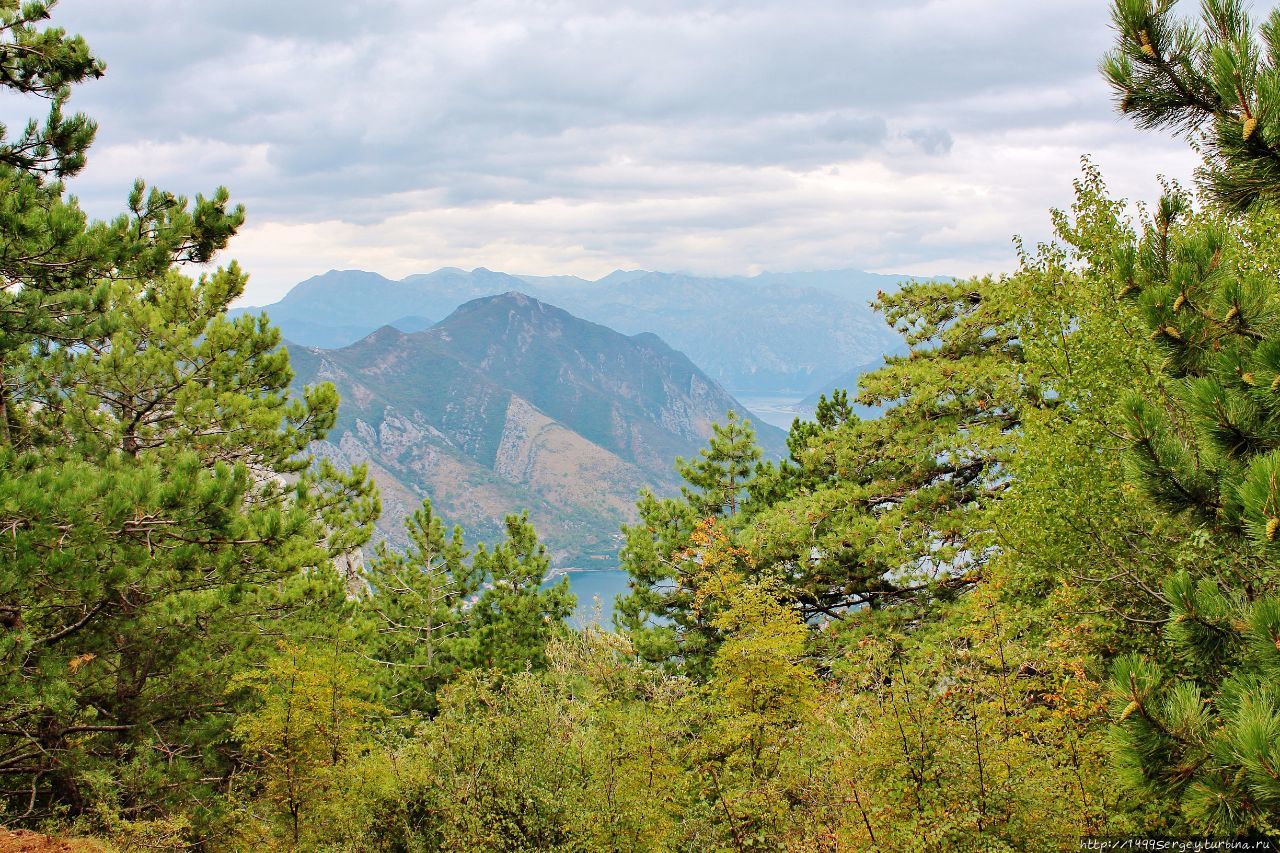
{"points": [[581, 136]]}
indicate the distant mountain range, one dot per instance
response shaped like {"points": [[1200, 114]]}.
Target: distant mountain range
{"points": [[793, 332], [511, 403], [848, 381]]}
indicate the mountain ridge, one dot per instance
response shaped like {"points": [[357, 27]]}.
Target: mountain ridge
{"points": [[793, 332], [511, 403]]}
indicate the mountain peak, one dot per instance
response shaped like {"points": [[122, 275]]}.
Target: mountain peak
{"points": [[336, 283], [384, 335], [620, 276], [512, 402], [579, 371], [499, 301], [776, 332]]}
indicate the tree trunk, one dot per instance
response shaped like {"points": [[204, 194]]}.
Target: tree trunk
{"points": [[5, 436]]}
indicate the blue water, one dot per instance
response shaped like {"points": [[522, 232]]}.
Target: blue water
{"points": [[776, 409], [596, 590]]}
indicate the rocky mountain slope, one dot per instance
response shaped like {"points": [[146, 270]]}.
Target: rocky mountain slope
{"points": [[510, 403], [774, 332]]}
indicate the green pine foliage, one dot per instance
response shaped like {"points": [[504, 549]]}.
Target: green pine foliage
{"points": [[417, 602], [662, 557], [149, 525], [1215, 81], [718, 479], [514, 617], [886, 503], [1195, 733], [1197, 730], [439, 610], [163, 521]]}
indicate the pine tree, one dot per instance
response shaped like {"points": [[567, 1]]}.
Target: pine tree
{"points": [[1200, 731], [151, 538], [44, 62], [1217, 81], [514, 617], [659, 610], [718, 479], [161, 514], [888, 510], [419, 603], [54, 263], [1196, 731], [805, 468]]}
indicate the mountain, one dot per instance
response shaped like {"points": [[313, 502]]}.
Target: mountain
{"points": [[411, 323], [848, 381], [343, 306], [748, 334], [852, 285], [792, 332], [510, 403]]}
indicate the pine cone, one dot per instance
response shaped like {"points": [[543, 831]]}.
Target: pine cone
{"points": [[1145, 41]]}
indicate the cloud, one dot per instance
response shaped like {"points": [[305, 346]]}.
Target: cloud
{"points": [[932, 140], [583, 135]]}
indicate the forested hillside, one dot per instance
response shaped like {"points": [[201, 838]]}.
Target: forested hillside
{"points": [[1035, 601]]}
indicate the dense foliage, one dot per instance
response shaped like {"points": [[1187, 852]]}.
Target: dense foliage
{"points": [[1035, 600]]}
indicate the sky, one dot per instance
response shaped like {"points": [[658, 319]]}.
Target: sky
{"points": [[582, 136]]}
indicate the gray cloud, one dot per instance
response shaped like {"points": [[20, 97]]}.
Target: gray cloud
{"points": [[932, 140], [739, 132]]}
